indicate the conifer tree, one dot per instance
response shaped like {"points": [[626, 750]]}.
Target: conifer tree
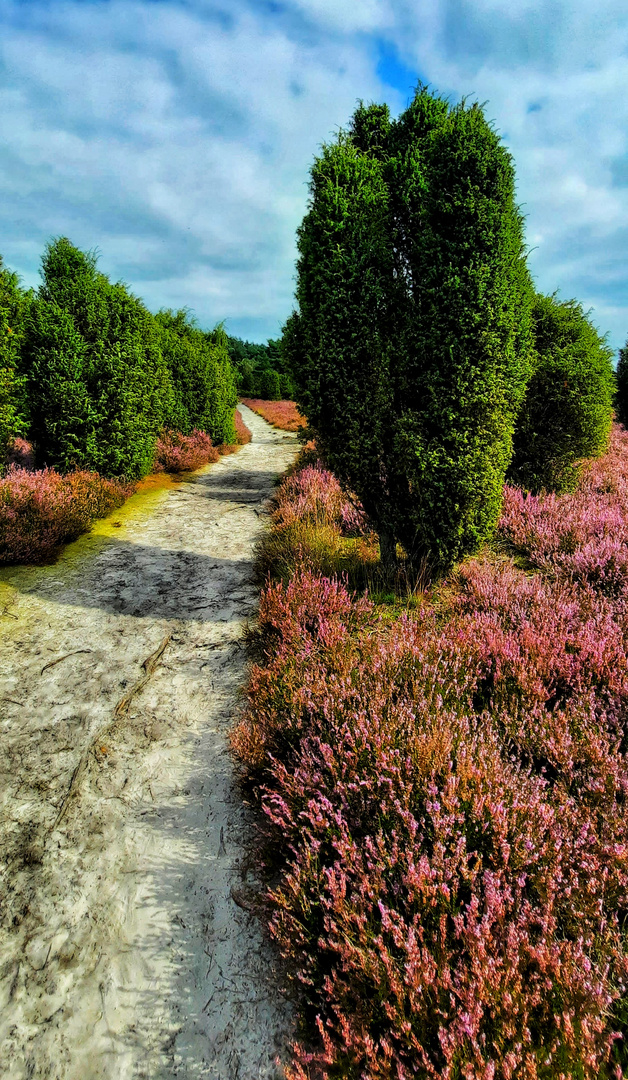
{"points": [[98, 386], [202, 375], [568, 406], [411, 342], [621, 395], [13, 307]]}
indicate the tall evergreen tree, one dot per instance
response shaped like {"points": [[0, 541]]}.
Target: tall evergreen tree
{"points": [[411, 345], [203, 379], [14, 303], [97, 383], [621, 396], [568, 406]]}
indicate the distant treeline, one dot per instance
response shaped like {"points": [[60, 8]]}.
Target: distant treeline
{"points": [[90, 376], [261, 369]]}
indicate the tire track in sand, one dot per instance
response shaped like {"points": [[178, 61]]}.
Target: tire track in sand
{"points": [[122, 839]]}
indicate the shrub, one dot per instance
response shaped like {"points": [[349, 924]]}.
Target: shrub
{"points": [[318, 525], [270, 385], [248, 379], [312, 495], [621, 396], [445, 797], [175, 452], [97, 384], [439, 899], [243, 435], [281, 414], [411, 344], [21, 454], [202, 376], [287, 387], [40, 510], [581, 536], [567, 412], [13, 307]]}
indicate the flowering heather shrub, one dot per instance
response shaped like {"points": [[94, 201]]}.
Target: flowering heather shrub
{"points": [[175, 452], [21, 454], [243, 434], [281, 414], [446, 795], [313, 522], [314, 496], [583, 536], [451, 903], [40, 510]]}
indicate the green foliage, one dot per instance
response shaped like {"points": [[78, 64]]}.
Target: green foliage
{"points": [[567, 412], [621, 395], [13, 307], [247, 382], [287, 390], [411, 347], [270, 385], [257, 366], [98, 387], [203, 380]]}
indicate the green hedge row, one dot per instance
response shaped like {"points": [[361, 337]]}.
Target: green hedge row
{"points": [[91, 376]]}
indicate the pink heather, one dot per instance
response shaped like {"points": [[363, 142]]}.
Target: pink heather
{"points": [[281, 414], [42, 509], [446, 794], [175, 452]]}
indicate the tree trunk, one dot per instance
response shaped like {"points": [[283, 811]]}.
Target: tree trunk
{"points": [[387, 549]]}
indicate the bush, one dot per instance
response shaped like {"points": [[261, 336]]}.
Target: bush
{"points": [[281, 414], [567, 412], [312, 495], [98, 387], [621, 396], [40, 510], [21, 454], [411, 347], [248, 383], [287, 387], [13, 307], [445, 797], [203, 379], [270, 385], [243, 435], [175, 452]]}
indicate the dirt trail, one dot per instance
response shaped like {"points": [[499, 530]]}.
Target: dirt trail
{"points": [[123, 953]]}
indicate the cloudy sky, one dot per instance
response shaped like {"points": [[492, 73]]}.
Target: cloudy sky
{"points": [[175, 136]]}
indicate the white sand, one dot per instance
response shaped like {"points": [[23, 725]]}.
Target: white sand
{"points": [[122, 951]]}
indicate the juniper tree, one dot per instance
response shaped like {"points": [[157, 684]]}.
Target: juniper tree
{"points": [[411, 342], [97, 383], [202, 376], [621, 395], [567, 412], [14, 303]]}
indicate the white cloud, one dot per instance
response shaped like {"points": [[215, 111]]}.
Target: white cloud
{"points": [[562, 106], [347, 17], [177, 137], [177, 144]]}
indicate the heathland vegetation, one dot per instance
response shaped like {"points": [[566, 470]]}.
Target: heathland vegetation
{"points": [[95, 392], [437, 719], [436, 727]]}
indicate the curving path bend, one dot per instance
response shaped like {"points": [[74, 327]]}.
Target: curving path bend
{"points": [[123, 953]]}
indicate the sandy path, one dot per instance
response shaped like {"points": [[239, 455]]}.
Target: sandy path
{"points": [[122, 951]]}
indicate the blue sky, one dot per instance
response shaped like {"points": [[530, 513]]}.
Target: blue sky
{"points": [[175, 136]]}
